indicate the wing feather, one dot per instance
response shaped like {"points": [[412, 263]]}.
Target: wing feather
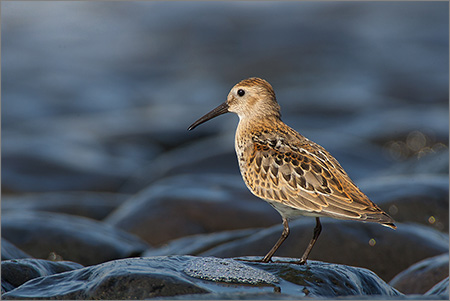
{"points": [[304, 176]]}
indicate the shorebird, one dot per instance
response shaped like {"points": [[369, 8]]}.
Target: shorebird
{"points": [[292, 173]]}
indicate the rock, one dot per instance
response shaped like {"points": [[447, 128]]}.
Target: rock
{"points": [[95, 205], [196, 244], [192, 204], [422, 276], [442, 288], [282, 296], [10, 251], [73, 238], [30, 165], [18, 271], [207, 155], [227, 271], [233, 296], [123, 143], [152, 277], [327, 279], [420, 198], [136, 278], [385, 251]]}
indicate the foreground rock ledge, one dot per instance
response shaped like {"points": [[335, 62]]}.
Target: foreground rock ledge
{"points": [[151, 277]]}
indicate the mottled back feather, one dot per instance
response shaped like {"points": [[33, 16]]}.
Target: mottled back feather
{"points": [[283, 166]]}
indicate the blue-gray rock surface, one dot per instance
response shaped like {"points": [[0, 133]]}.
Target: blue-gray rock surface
{"points": [[191, 204], [74, 238], [420, 198], [10, 251], [152, 277], [422, 276], [18, 271], [95, 205], [440, 289]]}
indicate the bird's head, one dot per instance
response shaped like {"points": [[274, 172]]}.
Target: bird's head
{"points": [[250, 98]]}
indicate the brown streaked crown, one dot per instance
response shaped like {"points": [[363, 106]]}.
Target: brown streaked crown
{"points": [[259, 82], [258, 99]]}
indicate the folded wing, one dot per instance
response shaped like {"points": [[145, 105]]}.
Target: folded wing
{"points": [[309, 179]]}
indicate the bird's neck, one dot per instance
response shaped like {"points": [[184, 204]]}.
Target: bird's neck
{"points": [[254, 122]]}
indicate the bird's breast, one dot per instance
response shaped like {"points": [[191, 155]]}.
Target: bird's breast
{"points": [[242, 147]]}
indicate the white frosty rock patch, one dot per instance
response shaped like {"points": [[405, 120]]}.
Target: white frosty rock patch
{"points": [[226, 270]]}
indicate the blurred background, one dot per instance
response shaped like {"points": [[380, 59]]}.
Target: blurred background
{"points": [[94, 92], [97, 97]]}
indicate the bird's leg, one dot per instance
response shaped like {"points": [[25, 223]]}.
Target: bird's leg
{"points": [[317, 230], [283, 237]]}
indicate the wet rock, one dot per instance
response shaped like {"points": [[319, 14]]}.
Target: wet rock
{"points": [[140, 278], [73, 238], [422, 276], [212, 154], [70, 164], [282, 296], [95, 205], [18, 271], [113, 146], [234, 296], [420, 198], [137, 278], [441, 289], [196, 244], [122, 143], [327, 279], [385, 251], [10, 251], [192, 204]]}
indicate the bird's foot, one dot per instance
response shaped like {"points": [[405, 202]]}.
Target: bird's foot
{"points": [[301, 261]]}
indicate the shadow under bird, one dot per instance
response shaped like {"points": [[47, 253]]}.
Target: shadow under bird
{"points": [[293, 174]]}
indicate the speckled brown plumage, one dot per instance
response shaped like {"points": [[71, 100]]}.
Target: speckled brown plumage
{"points": [[283, 166], [293, 174]]}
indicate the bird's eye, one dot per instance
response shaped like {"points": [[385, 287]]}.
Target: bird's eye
{"points": [[241, 92]]}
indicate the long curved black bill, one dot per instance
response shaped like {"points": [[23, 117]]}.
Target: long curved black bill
{"points": [[222, 109]]}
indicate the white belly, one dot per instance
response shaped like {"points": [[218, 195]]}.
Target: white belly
{"points": [[289, 212]]}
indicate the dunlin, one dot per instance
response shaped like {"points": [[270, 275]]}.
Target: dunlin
{"points": [[290, 172]]}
